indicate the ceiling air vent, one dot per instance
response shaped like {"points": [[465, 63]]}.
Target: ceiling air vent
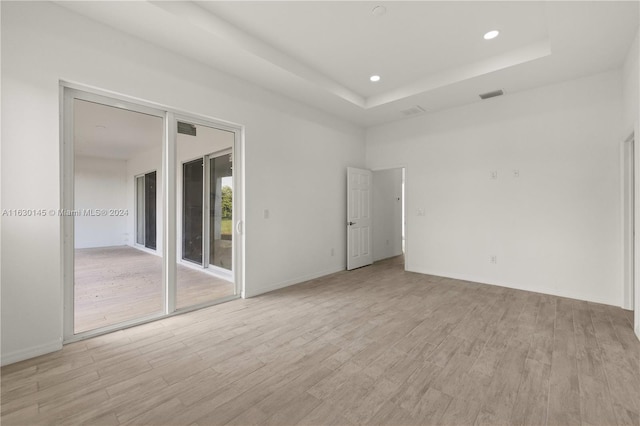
{"points": [[413, 111], [493, 94], [186, 128]]}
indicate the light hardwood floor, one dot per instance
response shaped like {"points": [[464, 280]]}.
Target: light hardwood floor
{"points": [[373, 346], [116, 284]]}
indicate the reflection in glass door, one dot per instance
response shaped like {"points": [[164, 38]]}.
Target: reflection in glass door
{"points": [[208, 243], [146, 223], [205, 219], [193, 203], [221, 212], [114, 282]]}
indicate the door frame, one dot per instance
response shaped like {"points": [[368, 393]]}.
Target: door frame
{"points": [[68, 91], [628, 220]]}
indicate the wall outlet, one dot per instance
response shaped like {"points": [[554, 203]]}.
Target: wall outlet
{"points": [[516, 173], [266, 213], [421, 212], [493, 259], [333, 252], [493, 174], [387, 242]]}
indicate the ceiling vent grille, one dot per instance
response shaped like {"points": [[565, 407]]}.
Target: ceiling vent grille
{"points": [[186, 128], [413, 111], [493, 94]]}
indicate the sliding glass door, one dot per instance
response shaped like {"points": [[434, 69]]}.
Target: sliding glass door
{"points": [[148, 210]]}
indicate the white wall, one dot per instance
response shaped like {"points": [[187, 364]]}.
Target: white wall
{"points": [[554, 229], [631, 88], [295, 160], [100, 183], [387, 213]]}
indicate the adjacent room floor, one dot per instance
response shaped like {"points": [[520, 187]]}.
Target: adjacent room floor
{"points": [[116, 284], [373, 346]]}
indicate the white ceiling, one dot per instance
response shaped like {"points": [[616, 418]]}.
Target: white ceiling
{"points": [[348, 43], [428, 53], [107, 132]]}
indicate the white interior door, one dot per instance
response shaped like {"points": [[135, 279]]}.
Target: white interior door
{"points": [[358, 218]]}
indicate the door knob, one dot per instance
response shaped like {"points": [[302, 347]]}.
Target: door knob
{"points": [[351, 223]]}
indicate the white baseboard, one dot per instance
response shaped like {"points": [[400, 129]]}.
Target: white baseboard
{"points": [[628, 305], [31, 352], [536, 289], [294, 281]]}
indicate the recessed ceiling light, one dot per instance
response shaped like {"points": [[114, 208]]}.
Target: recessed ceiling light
{"points": [[491, 34], [379, 10], [374, 78]]}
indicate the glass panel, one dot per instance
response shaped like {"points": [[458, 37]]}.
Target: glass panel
{"points": [[203, 162], [140, 211], [221, 212], [192, 201], [150, 210], [115, 208]]}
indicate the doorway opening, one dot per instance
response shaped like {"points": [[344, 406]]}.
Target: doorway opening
{"points": [[389, 234]]}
